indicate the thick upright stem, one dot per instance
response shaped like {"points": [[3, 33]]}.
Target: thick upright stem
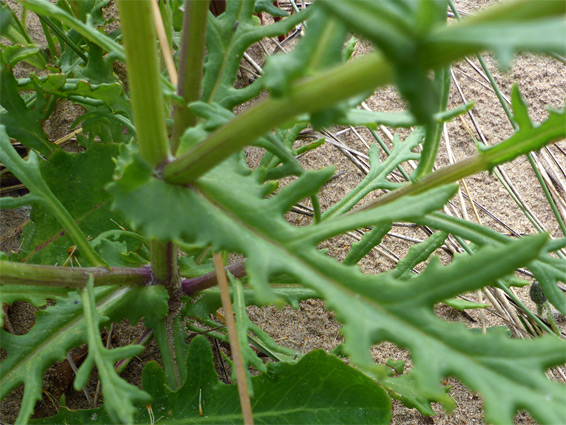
{"points": [[149, 112], [138, 31], [190, 66], [164, 264]]}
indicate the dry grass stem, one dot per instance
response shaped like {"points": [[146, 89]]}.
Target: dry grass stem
{"points": [[234, 344]]}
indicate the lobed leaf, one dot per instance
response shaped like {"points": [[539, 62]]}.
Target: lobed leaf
{"points": [[228, 37], [372, 308], [376, 178], [21, 122], [318, 389], [34, 295], [28, 172], [61, 327], [45, 239], [119, 395], [547, 270]]}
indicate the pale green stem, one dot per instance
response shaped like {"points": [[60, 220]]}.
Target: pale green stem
{"points": [[190, 66], [306, 96], [138, 30], [71, 277]]}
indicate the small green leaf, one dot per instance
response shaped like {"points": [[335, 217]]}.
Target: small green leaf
{"points": [[546, 269], [61, 327], [371, 119], [460, 304], [370, 239], [228, 37], [405, 389], [378, 172], [417, 254], [119, 395], [21, 122]]}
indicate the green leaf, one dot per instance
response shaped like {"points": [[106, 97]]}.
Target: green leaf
{"points": [[228, 37], [417, 254], [405, 389], [318, 389], [118, 254], [21, 122], [529, 137], [547, 270], [504, 38], [227, 200], [462, 305], [240, 192], [17, 53], [82, 90], [107, 126], [28, 172], [119, 395], [370, 239], [372, 119], [45, 241], [61, 327], [378, 172], [35, 295]]}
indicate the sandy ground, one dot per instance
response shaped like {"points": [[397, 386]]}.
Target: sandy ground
{"points": [[543, 84]]}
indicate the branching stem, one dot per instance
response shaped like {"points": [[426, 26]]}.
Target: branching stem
{"points": [[71, 277], [190, 66], [348, 80]]}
